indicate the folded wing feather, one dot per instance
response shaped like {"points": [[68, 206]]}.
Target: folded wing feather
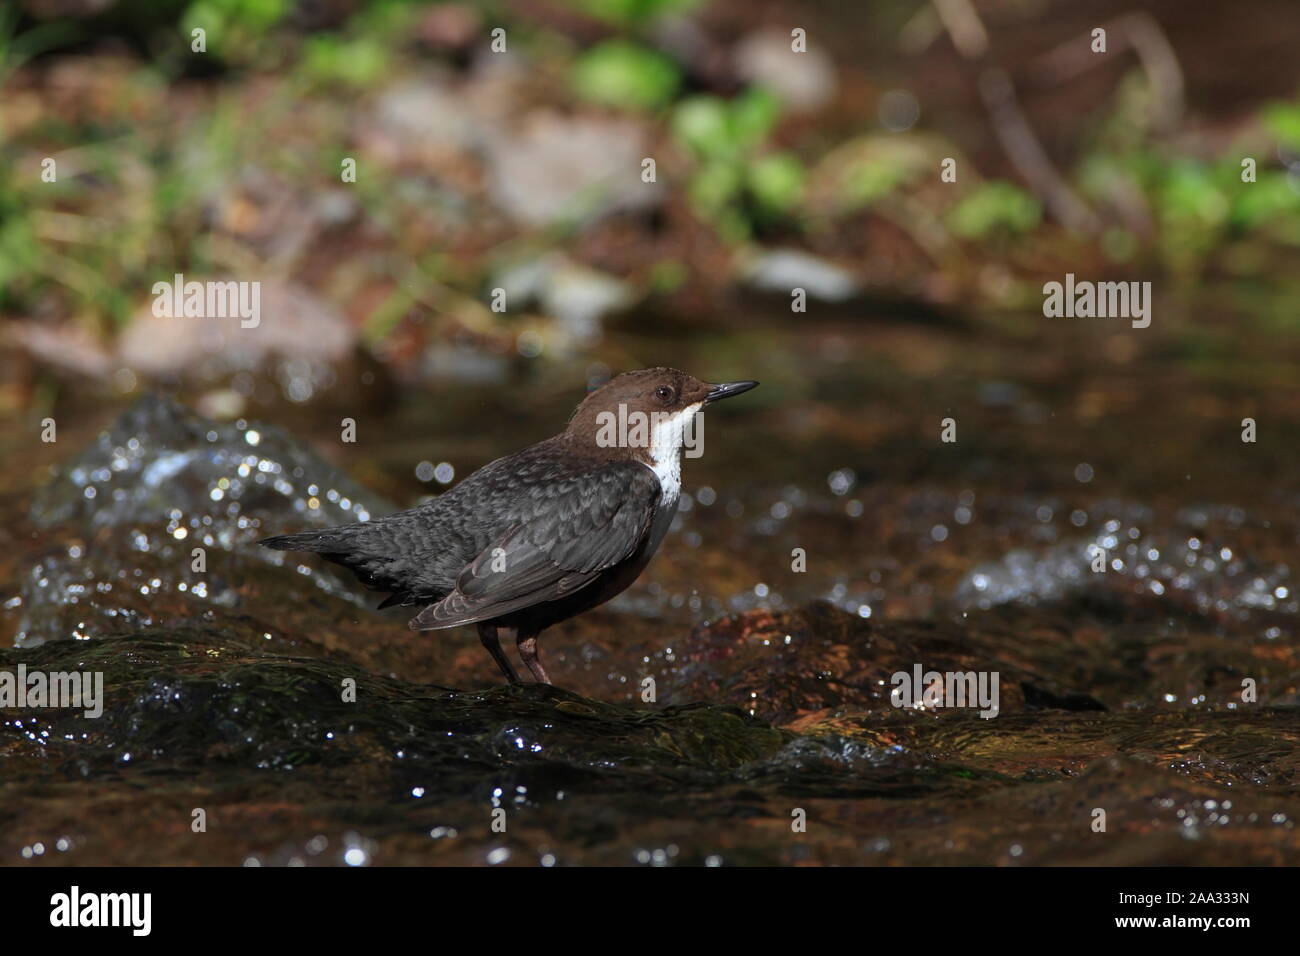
{"points": [[557, 545]]}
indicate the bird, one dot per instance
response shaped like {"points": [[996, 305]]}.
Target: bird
{"points": [[544, 534]]}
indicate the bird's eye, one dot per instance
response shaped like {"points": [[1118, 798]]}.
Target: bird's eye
{"points": [[664, 393]]}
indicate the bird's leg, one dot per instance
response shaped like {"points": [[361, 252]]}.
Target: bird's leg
{"points": [[526, 641], [487, 633]]}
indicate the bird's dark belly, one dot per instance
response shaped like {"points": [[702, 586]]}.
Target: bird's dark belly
{"points": [[610, 584]]}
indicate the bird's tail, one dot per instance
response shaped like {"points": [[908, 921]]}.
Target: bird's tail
{"points": [[334, 540], [361, 548]]}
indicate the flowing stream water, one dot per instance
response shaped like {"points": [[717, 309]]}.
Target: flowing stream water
{"points": [[828, 539]]}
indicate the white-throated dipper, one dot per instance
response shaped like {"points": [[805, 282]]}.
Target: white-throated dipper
{"points": [[541, 535]]}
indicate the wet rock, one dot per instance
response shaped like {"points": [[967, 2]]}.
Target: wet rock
{"points": [[803, 80], [120, 521], [63, 346], [1199, 564], [457, 363], [781, 270], [555, 169], [783, 667], [292, 772], [197, 698], [294, 325], [578, 297], [426, 118], [194, 694], [449, 27]]}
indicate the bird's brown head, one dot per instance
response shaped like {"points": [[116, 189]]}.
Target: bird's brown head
{"points": [[647, 413]]}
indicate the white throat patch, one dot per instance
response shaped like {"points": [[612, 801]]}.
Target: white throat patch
{"points": [[666, 451]]}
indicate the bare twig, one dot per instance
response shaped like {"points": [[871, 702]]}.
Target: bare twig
{"points": [[1139, 32], [964, 26], [1028, 155], [1017, 137]]}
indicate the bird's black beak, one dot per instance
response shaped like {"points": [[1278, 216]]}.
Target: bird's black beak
{"points": [[719, 392]]}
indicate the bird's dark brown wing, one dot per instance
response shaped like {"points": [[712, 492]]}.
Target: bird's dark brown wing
{"points": [[557, 543]]}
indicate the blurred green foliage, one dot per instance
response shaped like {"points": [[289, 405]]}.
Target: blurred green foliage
{"points": [[139, 199], [1283, 120], [877, 166], [632, 13], [358, 62], [625, 75], [18, 244], [734, 181], [235, 29], [1197, 205], [16, 48], [995, 208]]}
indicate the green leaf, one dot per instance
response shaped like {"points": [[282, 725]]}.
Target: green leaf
{"points": [[632, 12], [714, 186], [703, 125], [994, 207], [1269, 199], [358, 63], [777, 182], [1283, 120], [625, 75], [753, 117]]}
